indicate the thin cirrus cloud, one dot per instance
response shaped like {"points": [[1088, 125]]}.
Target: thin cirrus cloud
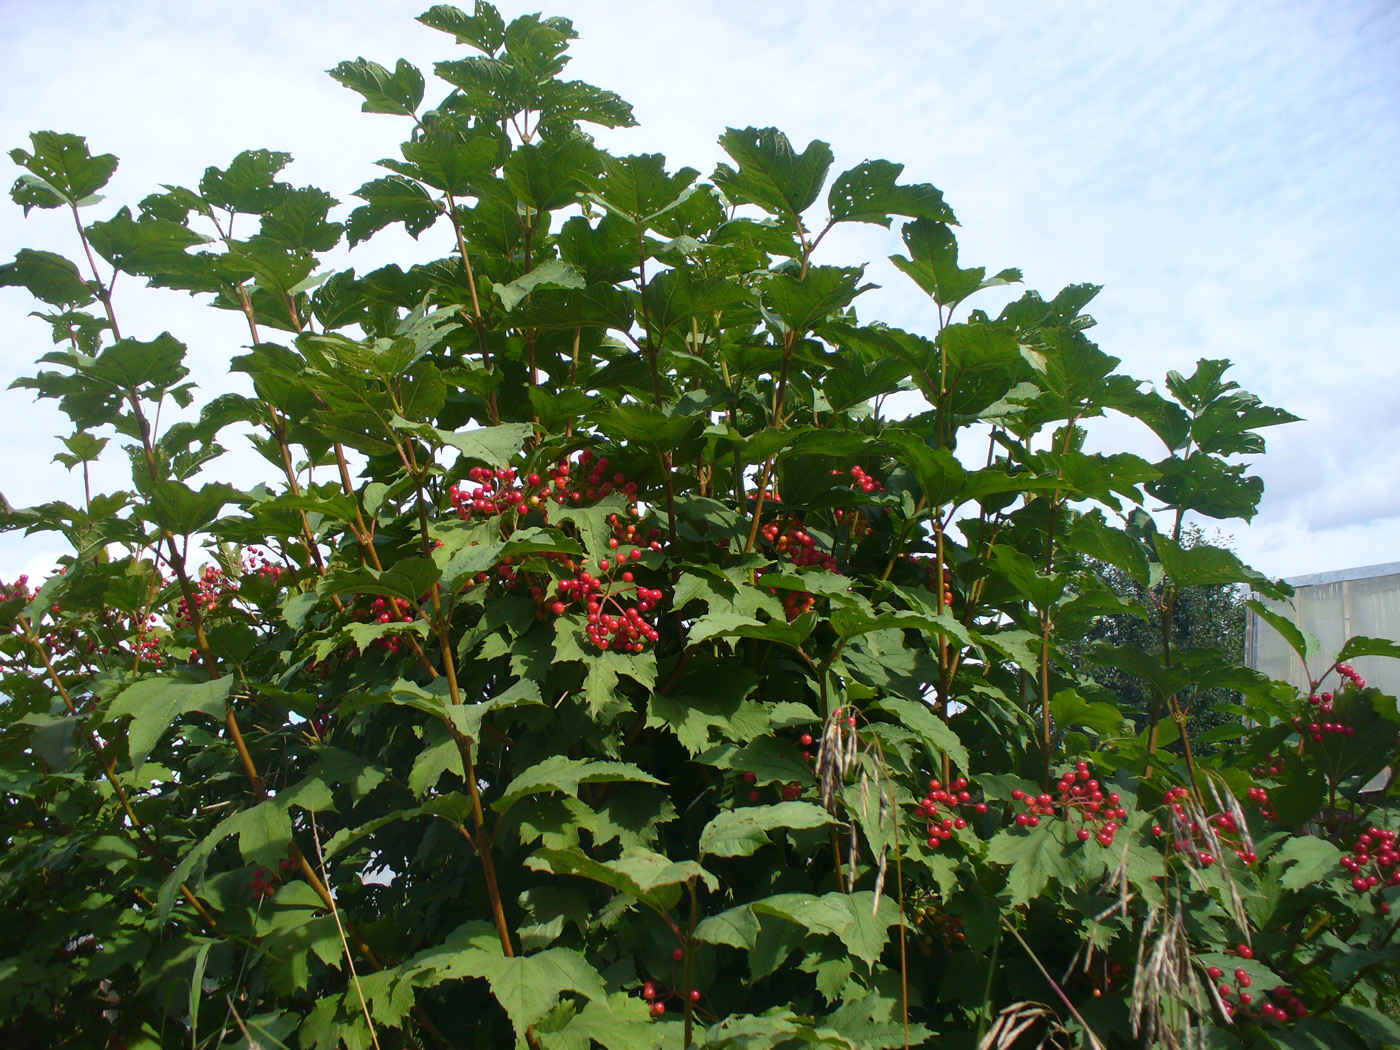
{"points": [[1225, 171]]}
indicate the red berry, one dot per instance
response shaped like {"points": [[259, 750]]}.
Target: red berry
{"points": [[1244, 951], [678, 954], [657, 1009], [695, 995], [649, 990]]}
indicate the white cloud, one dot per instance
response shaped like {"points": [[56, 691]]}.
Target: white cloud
{"points": [[1227, 172]]}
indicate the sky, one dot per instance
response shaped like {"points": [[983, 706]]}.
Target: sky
{"points": [[1226, 172]]}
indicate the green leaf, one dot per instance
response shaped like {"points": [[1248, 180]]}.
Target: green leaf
{"points": [[1207, 566], [131, 364], [1093, 536], [1033, 857], [1360, 645], [1208, 486], [638, 189], [299, 221], [1068, 708], [653, 879], [940, 475], [741, 832], [933, 264], [674, 297], [398, 92], [154, 704], [183, 510], [1301, 642], [934, 733], [552, 174], [769, 759], [1166, 679], [553, 273], [645, 425], [737, 927], [149, 246], [450, 160], [723, 709], [823, 291], [62, 171], [48, 277], [494, 446], [850, 916], [483, 30], [560, 773], [771, 174], [867, 193], [264, 832], [1305, 860], [1041, 589], [526, 986], [389, 200], [248, 184]]}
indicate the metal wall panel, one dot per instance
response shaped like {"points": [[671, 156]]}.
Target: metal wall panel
{"points": [[1333, 607]]}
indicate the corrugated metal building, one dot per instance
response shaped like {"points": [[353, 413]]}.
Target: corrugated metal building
{"points": [[1332, 606]]}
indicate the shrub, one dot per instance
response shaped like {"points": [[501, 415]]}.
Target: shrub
{"points": [[600, 662]]}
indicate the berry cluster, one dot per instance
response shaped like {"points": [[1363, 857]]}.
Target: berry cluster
{"points": [[789, 791], [19, 590], [945, 928], [928, 568], [1317, 730], [955, 796], [1323, 702], [255, 561], [1286, 1006], [262, 885], [1349, 673], [857, 522], [861, 480], [794, 543], [213, 587], [1260, 797], [504, 489], [1080, 793], [387, 610], [616, 605], [657, 996], [596, 484], [494, 492], [1374, 861], [613, 623], [1037, 806], [1192, 840]]}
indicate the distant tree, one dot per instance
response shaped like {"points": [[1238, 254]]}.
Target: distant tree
{"points": [[1202, 618]]}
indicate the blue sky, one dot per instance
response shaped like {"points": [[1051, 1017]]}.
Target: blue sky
{"points": [[1227, 172]]}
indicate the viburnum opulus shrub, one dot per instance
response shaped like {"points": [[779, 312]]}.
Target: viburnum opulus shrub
{"points": [[600, 664]]}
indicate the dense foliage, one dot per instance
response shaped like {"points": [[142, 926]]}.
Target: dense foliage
{"points": [[601, 664]]}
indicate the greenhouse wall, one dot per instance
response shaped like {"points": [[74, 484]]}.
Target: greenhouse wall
{"points": [[1332, 606]]}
